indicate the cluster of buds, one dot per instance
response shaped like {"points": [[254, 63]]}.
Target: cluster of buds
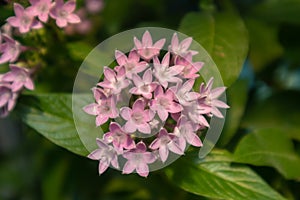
{"points": [[25, 19], [163, 116]]}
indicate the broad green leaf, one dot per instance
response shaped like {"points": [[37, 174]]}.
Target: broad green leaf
{"points": [[279, 11], [280, 111], [269, 147], [215, 177], [264, 43], [51, 115], [224, 37], [236, 98]]}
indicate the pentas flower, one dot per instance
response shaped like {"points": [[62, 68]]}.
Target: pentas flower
{"points": [[63, 13], [41, 8], [119, 138], [165, 142], [190, 69], [7, 98], [163, 103], [181, 49], [10, 49], [19, 77], [137, 118], [144, 86], [24, 19], [210, 97], [131, 63], [115, 82], [106, 155], [163, 106], [146, 49], [104, 108], [138, 159], [183, 92], [185, 129], [164, 73]]}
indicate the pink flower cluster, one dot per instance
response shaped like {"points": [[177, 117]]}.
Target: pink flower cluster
{"points": [[25, 19], [162, 100]]}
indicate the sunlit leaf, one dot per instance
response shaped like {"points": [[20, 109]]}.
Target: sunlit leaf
{"points": [[51, 115], [269, 147], [215, 177]]}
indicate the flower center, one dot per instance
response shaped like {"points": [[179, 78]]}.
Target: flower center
{"points": [[138, 117]]}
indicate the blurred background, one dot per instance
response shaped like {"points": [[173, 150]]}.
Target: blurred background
{"points": [[266, 95]]}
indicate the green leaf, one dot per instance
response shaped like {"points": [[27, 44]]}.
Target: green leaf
{"points": [[264, 43], [237, 95], [51, 115], [224, 37], [280, 111], [214, 177], [269, 147]]}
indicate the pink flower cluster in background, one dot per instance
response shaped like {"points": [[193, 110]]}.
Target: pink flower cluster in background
{"points": [[26, 19], [164, 113]]}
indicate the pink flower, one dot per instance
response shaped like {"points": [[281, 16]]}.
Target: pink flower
{"points": [[138, 159], [146, 49], [106, 155], [63, 13], [181, 49], [104, 108], [132, 64], [24, 19], [7, 98], [163, 103], [94, 6], [20, 77], [143, 86], [119, 138], [183, 92], [210, 97], [196, 111], [185, 130], [165, 142], [41, 8], [137, 118], [190, 70], [164, 73], [115, 82], [10, 49]]}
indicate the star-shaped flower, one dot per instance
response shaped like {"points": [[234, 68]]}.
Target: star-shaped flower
{"points": [[41, 8], [137, 118], [186, 130], [131, 63], [115, 82], [20, 77], [104, 108], [63, 13], [181, 49], [24, 19], [146, 49], [119, 138], [210, 97], [164, 73], [191, 69], [106, 155], [183, 92], [143, 86], [165, 142], [163, 103], [138, 159], [10, 49]]}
